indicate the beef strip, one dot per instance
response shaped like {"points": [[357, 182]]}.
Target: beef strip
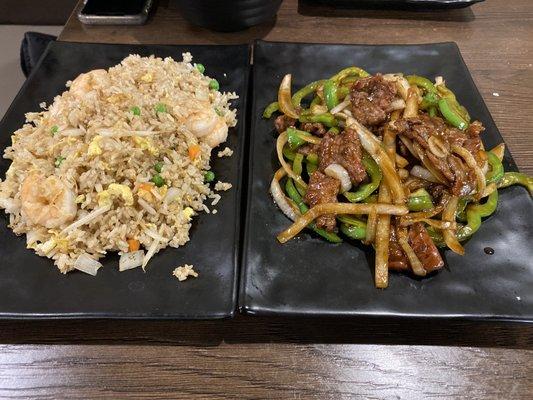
{"points": [[282, 122], [424, 248], [397, 259], [322, 189], [371, 99], [316, 128], [343, 149], [460, 179], [307, 149]]}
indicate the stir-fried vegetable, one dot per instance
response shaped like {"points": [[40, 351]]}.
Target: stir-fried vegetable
{"points": [[411, 194], [209, 176]]}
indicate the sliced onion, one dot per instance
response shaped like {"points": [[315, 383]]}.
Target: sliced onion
{"points": [[86, 219], [280, 142], [339, 172], [414, 261], [172, 194], [87, 264], [397, 104], [438, 147], [318, 109], [147, 207], [411, 104], [339, 208], [151, 251], [499, 151], [439, 80], [279, 197], [471, 162], [341, 106], [156, 236], [449, 234], [422, 173], [285, 98], [373, 146], [130, 260]]}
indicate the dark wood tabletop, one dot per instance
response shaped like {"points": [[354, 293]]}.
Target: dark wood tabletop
{"points": [[258, 358]]}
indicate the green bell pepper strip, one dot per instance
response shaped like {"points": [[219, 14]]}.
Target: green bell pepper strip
{"points": [[330, 94], [514, 178], [350, 79], [496, 168], [422, 82], [429, 100], [310, 168], [288, 153], [353, 231], [317, 100], [297, 164], [270, 109], [342, 92], [352, 227], [432, 111], [312, 158], [451, 115], [461, 207], [326, 119], [334, 130], [419, 200], [305, 91], [295, 196], [368, 188], [446, 93], [294, 139], [350, 71], [474, 213], [297, 167]]}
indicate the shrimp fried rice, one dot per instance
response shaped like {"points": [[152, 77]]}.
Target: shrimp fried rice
{"points": [[116, 163]]}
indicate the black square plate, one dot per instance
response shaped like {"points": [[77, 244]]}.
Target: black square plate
{"points": [[308, 276], [31, 287]]}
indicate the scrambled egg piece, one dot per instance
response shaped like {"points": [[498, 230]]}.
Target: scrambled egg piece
{"points": [[147, 77], [188, 212], [56, 241], [114, 190], [146, 144], [94, 147], [184, 272]]}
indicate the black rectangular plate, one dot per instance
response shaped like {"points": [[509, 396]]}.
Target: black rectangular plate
{"points": [[31, 287], [308, 276], [399, 4]]}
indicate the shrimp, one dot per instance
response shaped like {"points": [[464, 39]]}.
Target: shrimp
{"points": [[206, 125], [47, 201], [86, 83]]}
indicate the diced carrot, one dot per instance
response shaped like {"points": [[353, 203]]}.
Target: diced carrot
{"points": [[194, 150], [133, 244], [146, 186]]}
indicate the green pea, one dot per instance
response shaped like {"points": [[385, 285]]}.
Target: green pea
{"points": [[135, 110], [213, 84], [158, 166], [200, 67], [209, 176], [54, 129], [160, 108], [158, 180]]}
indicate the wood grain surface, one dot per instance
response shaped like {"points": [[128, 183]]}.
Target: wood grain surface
{"points": [[259, 358]]}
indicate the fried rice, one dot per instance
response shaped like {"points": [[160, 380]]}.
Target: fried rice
{"points": [[116, 163]]}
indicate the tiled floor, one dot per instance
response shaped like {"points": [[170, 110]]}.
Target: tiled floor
{"points": [[11, 76]]}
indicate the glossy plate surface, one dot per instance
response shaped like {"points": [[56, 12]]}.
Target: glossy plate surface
{"points": [[31, 287], [308, 276]]}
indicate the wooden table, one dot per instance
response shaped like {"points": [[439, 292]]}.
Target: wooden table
{"points": [[303, 358]]}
